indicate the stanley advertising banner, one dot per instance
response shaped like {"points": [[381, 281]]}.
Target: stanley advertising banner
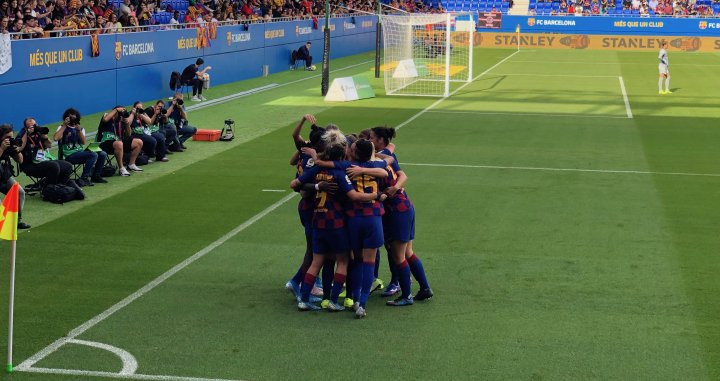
{"points": [[597, 42]]}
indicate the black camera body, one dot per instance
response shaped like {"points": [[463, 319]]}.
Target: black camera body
{"points": [[42, 130], [229, 121], [179, 102], [140, 111], [124, 114]]}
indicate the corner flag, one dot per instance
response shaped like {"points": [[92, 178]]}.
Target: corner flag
{"points": [[9, 214], [8, 230]]}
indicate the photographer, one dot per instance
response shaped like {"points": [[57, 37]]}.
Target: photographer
{"points": [[71, 139], [161, 124], [36, 162], [177, 115], [114, 137], [8, 151], [153, 142]]}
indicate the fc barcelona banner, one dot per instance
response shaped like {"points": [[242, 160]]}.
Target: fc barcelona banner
{"points": [[489, 20]]}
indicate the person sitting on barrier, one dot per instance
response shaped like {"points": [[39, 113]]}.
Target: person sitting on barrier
{"points": [[161, 123], [9, 150], [37, 161], [303, 53], [114, 137], [153, 143], [177, 115], [194, 77], [71, 140]]}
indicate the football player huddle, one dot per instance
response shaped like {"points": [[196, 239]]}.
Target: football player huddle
{"points": [[353, 202]]}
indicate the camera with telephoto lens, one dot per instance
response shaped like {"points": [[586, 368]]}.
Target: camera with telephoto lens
{"points": [[179, 102], [139, 110], [41, 130], [124, 114]]}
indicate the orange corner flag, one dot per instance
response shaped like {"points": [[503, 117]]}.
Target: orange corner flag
{"points": [[9, 214]]}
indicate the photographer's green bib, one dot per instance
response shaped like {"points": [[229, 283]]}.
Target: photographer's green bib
{"points": [[68, 149]]}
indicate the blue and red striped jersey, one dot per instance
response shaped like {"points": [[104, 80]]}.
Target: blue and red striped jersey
{"points": [[400, 201], [328, 209], [364, 184]]}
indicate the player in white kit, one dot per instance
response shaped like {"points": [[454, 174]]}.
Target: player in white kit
{"points": [[663, 67]]}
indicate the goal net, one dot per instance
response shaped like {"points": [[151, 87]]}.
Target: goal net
{"points": [[425, 53]]}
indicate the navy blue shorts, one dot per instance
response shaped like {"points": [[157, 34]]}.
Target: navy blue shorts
{"points": [[400, 226], [365, 232], [306, 217], [330, 241]]}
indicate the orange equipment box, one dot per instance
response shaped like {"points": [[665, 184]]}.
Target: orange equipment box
{"points": [[207, 135]]}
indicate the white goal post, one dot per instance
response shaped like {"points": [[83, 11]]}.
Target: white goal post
{"points": [[425, 52]]}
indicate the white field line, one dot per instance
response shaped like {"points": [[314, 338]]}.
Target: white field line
{"points": [[129, 362], [88, 373], [32, 360], [609, 171], [527, 114], [625, 98], [607, 63], [437, 102], [273, 190], [555, 75]]}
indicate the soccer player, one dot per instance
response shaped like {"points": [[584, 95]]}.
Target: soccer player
{"points": [[365, 218], [664, 72], [303, 163], [329, 236], [400, 227]]}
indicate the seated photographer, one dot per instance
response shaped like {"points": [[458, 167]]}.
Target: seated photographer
{"points": [[194, 77], [71, 139], [161, 124], [37, 162], [8, 151], [153, 142], [114, 137], [177, 115]]}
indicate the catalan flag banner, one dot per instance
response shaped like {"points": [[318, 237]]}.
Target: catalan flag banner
{"points": [[9, 214], [517, 28]]}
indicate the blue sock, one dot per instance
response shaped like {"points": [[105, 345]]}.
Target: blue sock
{"points": [[338, 281], [328, 271], [404, 274], [306, 287], [356, 285], [299, 275], [377, 264], [368, 272], [393, 268], [418, 271]]}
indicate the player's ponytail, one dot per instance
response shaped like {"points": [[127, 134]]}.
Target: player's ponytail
{"points": [[385, 133]]}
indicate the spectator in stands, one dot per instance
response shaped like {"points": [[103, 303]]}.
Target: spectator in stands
{"points": [[17, 27], [303, 53], [71, 140], [177, 115], [4, 24], [175, 20], [7, 153], [114, 137], [98, 7], [193, 76], [153, 141], [32, 29], [113, 26], [36, 162], [4, 9], [144, 15]]}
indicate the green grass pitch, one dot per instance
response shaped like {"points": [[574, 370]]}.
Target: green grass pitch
{"points": [[564, 240]]}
